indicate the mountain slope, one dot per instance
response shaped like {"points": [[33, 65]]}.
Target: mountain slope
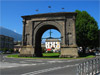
{"points": [[10, 33]]}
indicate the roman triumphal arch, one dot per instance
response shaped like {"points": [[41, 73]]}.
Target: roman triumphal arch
{"points": [[35, 25]]}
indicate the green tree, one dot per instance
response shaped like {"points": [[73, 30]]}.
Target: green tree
{"points": [[86, 30], [11, 50], [99, 38], [5, 50]]}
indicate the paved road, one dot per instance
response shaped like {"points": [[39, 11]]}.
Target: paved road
{"points": [[12, 66]]}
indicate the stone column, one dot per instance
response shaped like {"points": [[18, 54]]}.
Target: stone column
{"points": [[27, 50], [23, 37], [66, 34], [65, 31], [74, 33], [31, 33], [63, 35], [69, 50]]}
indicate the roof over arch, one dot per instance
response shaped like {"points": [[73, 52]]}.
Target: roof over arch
{"points": [[49, 14]]}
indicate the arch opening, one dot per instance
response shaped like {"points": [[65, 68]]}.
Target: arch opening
{"points": [[38, 37]]}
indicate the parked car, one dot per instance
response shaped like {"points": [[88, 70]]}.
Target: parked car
{"points": [[97, 53], [1, 52], [8, 52]]}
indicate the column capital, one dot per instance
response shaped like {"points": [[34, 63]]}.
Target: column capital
{"points": [[24, 22]]}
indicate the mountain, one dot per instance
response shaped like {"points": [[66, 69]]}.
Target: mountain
{"points": [[10, 33]]}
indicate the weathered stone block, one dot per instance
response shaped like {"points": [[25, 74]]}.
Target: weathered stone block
{"points": [[27, 51], [69, 52]]}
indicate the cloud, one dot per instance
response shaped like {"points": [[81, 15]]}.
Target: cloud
{"points": [[14, 30]]}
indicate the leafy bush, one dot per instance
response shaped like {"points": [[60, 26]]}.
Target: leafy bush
{"points": [[43, 49], [50, 51], [5, 50], [11, 50]]}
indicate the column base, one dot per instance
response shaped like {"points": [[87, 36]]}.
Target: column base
{"points": [[69, 52], [27, 51]]}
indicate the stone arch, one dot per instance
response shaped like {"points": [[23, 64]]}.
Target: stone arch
{"points": [[53, 23], [39, 30], [35, 25]]}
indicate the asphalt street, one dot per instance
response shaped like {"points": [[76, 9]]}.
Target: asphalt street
{"points": [[16, 66]]}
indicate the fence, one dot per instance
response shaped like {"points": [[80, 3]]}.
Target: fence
{"points": [[90, 67]]}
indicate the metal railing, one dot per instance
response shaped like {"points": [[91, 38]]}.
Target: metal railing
{"points": [[90, 67]]}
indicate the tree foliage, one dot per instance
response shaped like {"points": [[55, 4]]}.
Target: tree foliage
{"points": [[86, 30]]}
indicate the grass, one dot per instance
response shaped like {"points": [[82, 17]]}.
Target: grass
{"points": [[49, 56]]}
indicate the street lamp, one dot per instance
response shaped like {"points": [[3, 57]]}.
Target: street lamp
{"points": [[36, 10], [62, 8], [49, 8]]}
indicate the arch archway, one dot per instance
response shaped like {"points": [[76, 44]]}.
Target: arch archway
{"points": [[35, 25], [38, 36]]}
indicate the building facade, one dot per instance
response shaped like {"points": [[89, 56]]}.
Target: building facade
{"points": [[6, 42], [17, 46], [52, 44]]}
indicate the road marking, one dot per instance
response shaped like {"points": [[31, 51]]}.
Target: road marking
{"points": [[23, 62], [41, 63], [49, 69], [4, 65], [35, 60], [59, 61]]}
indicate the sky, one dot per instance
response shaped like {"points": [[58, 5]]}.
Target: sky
{"points": [[11, 11]]}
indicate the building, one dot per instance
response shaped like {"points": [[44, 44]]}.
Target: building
{"points": [[6, 42], [52, 44], [17, 46]]}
